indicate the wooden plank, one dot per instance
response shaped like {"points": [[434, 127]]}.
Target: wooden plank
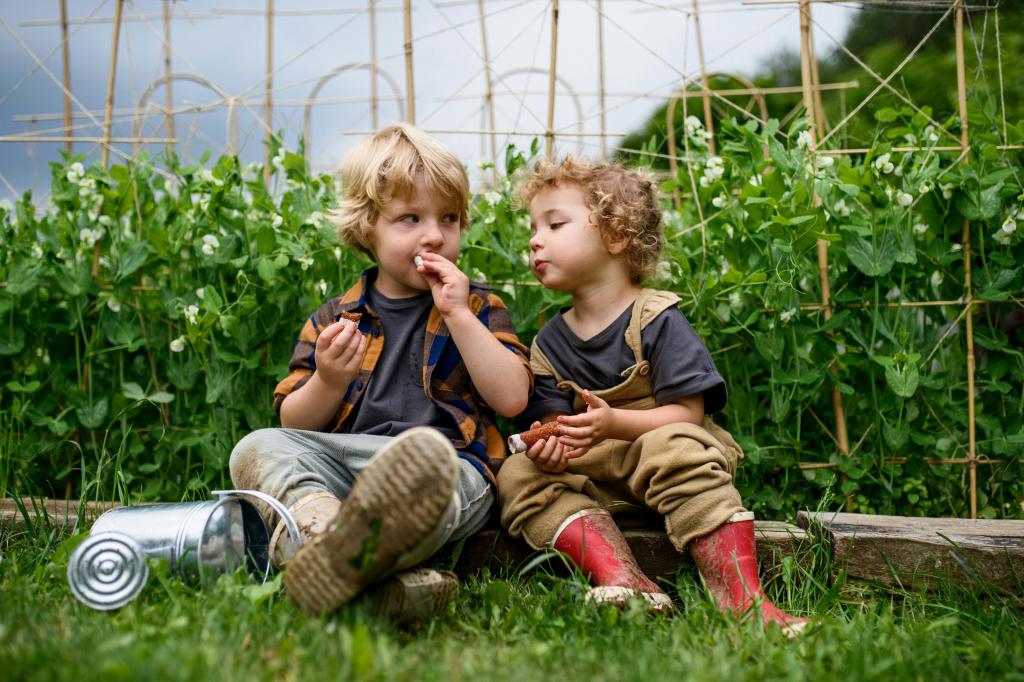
{"points": [[47, 512], [496, 550], [910, 551]]}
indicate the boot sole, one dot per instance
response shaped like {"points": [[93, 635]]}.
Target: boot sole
{"points": [[397, 500], [414, 596]]}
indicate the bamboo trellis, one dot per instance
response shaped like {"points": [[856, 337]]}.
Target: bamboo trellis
{"points": [[685, 87]]}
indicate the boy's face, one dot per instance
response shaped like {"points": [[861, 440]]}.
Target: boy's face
{"points": [[406, 228], [566, 249]]}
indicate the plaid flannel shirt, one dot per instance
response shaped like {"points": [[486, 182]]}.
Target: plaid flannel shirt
{"points": [[446, 380]]}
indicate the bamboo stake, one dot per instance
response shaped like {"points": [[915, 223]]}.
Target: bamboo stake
{"points": [[93, 139], [108, 110], [705, 89], [819, 109], [410, 89], [842, 437], [65, 49], [999, 66], [374, 103], [489, 97], [961, 91], [167, 75], [600, 74], [268, 94], [552, 71]]}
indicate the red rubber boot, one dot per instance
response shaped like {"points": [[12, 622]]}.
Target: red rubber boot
{"points": [[728, 563], [594, 543]]}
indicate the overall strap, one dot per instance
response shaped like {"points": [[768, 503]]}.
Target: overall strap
{"points": [[649, 304]]}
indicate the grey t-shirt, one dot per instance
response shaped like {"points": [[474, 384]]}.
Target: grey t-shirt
{"points": [[680, 363], [394, 400]]}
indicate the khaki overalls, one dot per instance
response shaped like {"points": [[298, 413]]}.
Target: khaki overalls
{"points": [[684, 472]]}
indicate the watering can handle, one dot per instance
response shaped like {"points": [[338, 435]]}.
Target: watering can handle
{"points": [[286, 516]]}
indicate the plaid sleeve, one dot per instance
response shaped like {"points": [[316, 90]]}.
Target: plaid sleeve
{"points": [[303, 361], [495, 317]]}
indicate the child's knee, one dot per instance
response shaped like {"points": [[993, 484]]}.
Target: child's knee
{"points": [[249, 458]]}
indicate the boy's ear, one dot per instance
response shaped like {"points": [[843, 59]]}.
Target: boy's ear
{"points": [[616, 246]]}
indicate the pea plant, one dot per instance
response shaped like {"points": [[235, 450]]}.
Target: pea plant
{"points": [[147, 312]]}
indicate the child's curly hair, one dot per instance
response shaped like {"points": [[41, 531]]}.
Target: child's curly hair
{"points": [[623, 204]]}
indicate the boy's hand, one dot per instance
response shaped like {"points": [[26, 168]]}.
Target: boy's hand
{"points": [[549, 455], [448, 285], [580, 432], [339, 353]]}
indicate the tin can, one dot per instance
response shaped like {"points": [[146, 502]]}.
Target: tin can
{"points": [[200, 540]]}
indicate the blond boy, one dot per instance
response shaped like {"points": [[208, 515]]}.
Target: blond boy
{"points": [[388, 441]]}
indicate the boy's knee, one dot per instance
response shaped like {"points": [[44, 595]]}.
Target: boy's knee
{"points": [[248, 459]]}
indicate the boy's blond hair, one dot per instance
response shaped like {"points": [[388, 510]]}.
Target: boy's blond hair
{"points": [[383, 167], [623, 204]]}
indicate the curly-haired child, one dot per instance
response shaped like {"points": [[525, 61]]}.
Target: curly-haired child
{"points": [[629, 383]]}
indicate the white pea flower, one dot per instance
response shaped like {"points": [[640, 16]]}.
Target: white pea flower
{"points": [[178, 344], [719, 201], [705, 181], [201, 293], [826, 162], [956, 247], [840, 349], [930, 135], [305, 262], [805, 139], [899, 171], [75, 173], [911, 138], [322, 286], [105, 220], [337, 253], [729, 231], [882, 160], [663, 270], [841, 208], [6, 205], [756, 179], [105, 262], [1009, 225], [920, 228], [315, 218], [492, 197], [192, 313], [89, 237], [947, 190], [277, 222], [37, 251], [210, 244], [693, 125], [735, 299], [893, 293], [925, 188], [1001, 238], [278, 160], [936, 279], [525, 258], [787, 315], [904, 199], [114, 305]]}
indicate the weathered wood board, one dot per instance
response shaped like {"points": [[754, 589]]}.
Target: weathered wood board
{"points": [[496, 550], [44, 511], [899, 550]]}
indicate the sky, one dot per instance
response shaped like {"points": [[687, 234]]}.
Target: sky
{"points": [[649, 48]]}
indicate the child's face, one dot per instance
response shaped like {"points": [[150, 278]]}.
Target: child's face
{"points": [[407, 227], [566, 249]]}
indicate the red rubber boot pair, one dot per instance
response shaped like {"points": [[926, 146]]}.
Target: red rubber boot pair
{"points": [[593, 541], [727, 561]]}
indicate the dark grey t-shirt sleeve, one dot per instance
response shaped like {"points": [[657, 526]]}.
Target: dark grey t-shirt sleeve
{"points": [[680, 362], [546, 398]]}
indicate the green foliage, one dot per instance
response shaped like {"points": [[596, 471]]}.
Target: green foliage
{"points": [[138, 382]]}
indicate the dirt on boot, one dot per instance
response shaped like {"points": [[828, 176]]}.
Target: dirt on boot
{"points": [[397, 501]]}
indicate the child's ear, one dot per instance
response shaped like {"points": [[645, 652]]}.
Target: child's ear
{"points": [[616, 246]]}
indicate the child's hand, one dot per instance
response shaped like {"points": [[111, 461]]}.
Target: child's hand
{"points": [[548, 454], [448, 285], [339, 353], [580, 432]]}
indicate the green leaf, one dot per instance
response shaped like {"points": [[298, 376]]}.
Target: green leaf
{"points": [[132, 391], [902, 380], [874, 260], [91, 415], [161, 397], [12, 339], [886, 115], [979, 205]]}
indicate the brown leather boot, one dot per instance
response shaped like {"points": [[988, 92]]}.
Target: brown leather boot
{"points": [[312, 513], [727, 560], [593, 541]]}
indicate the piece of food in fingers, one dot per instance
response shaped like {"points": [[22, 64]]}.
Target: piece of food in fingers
{"points": [[520, 442], [417, 261], [352, 317]]}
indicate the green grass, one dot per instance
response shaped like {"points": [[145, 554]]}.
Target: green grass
{"points": [[507, 627]]}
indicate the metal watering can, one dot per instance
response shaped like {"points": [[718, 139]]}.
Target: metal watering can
{"points": [[200, 540]]}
